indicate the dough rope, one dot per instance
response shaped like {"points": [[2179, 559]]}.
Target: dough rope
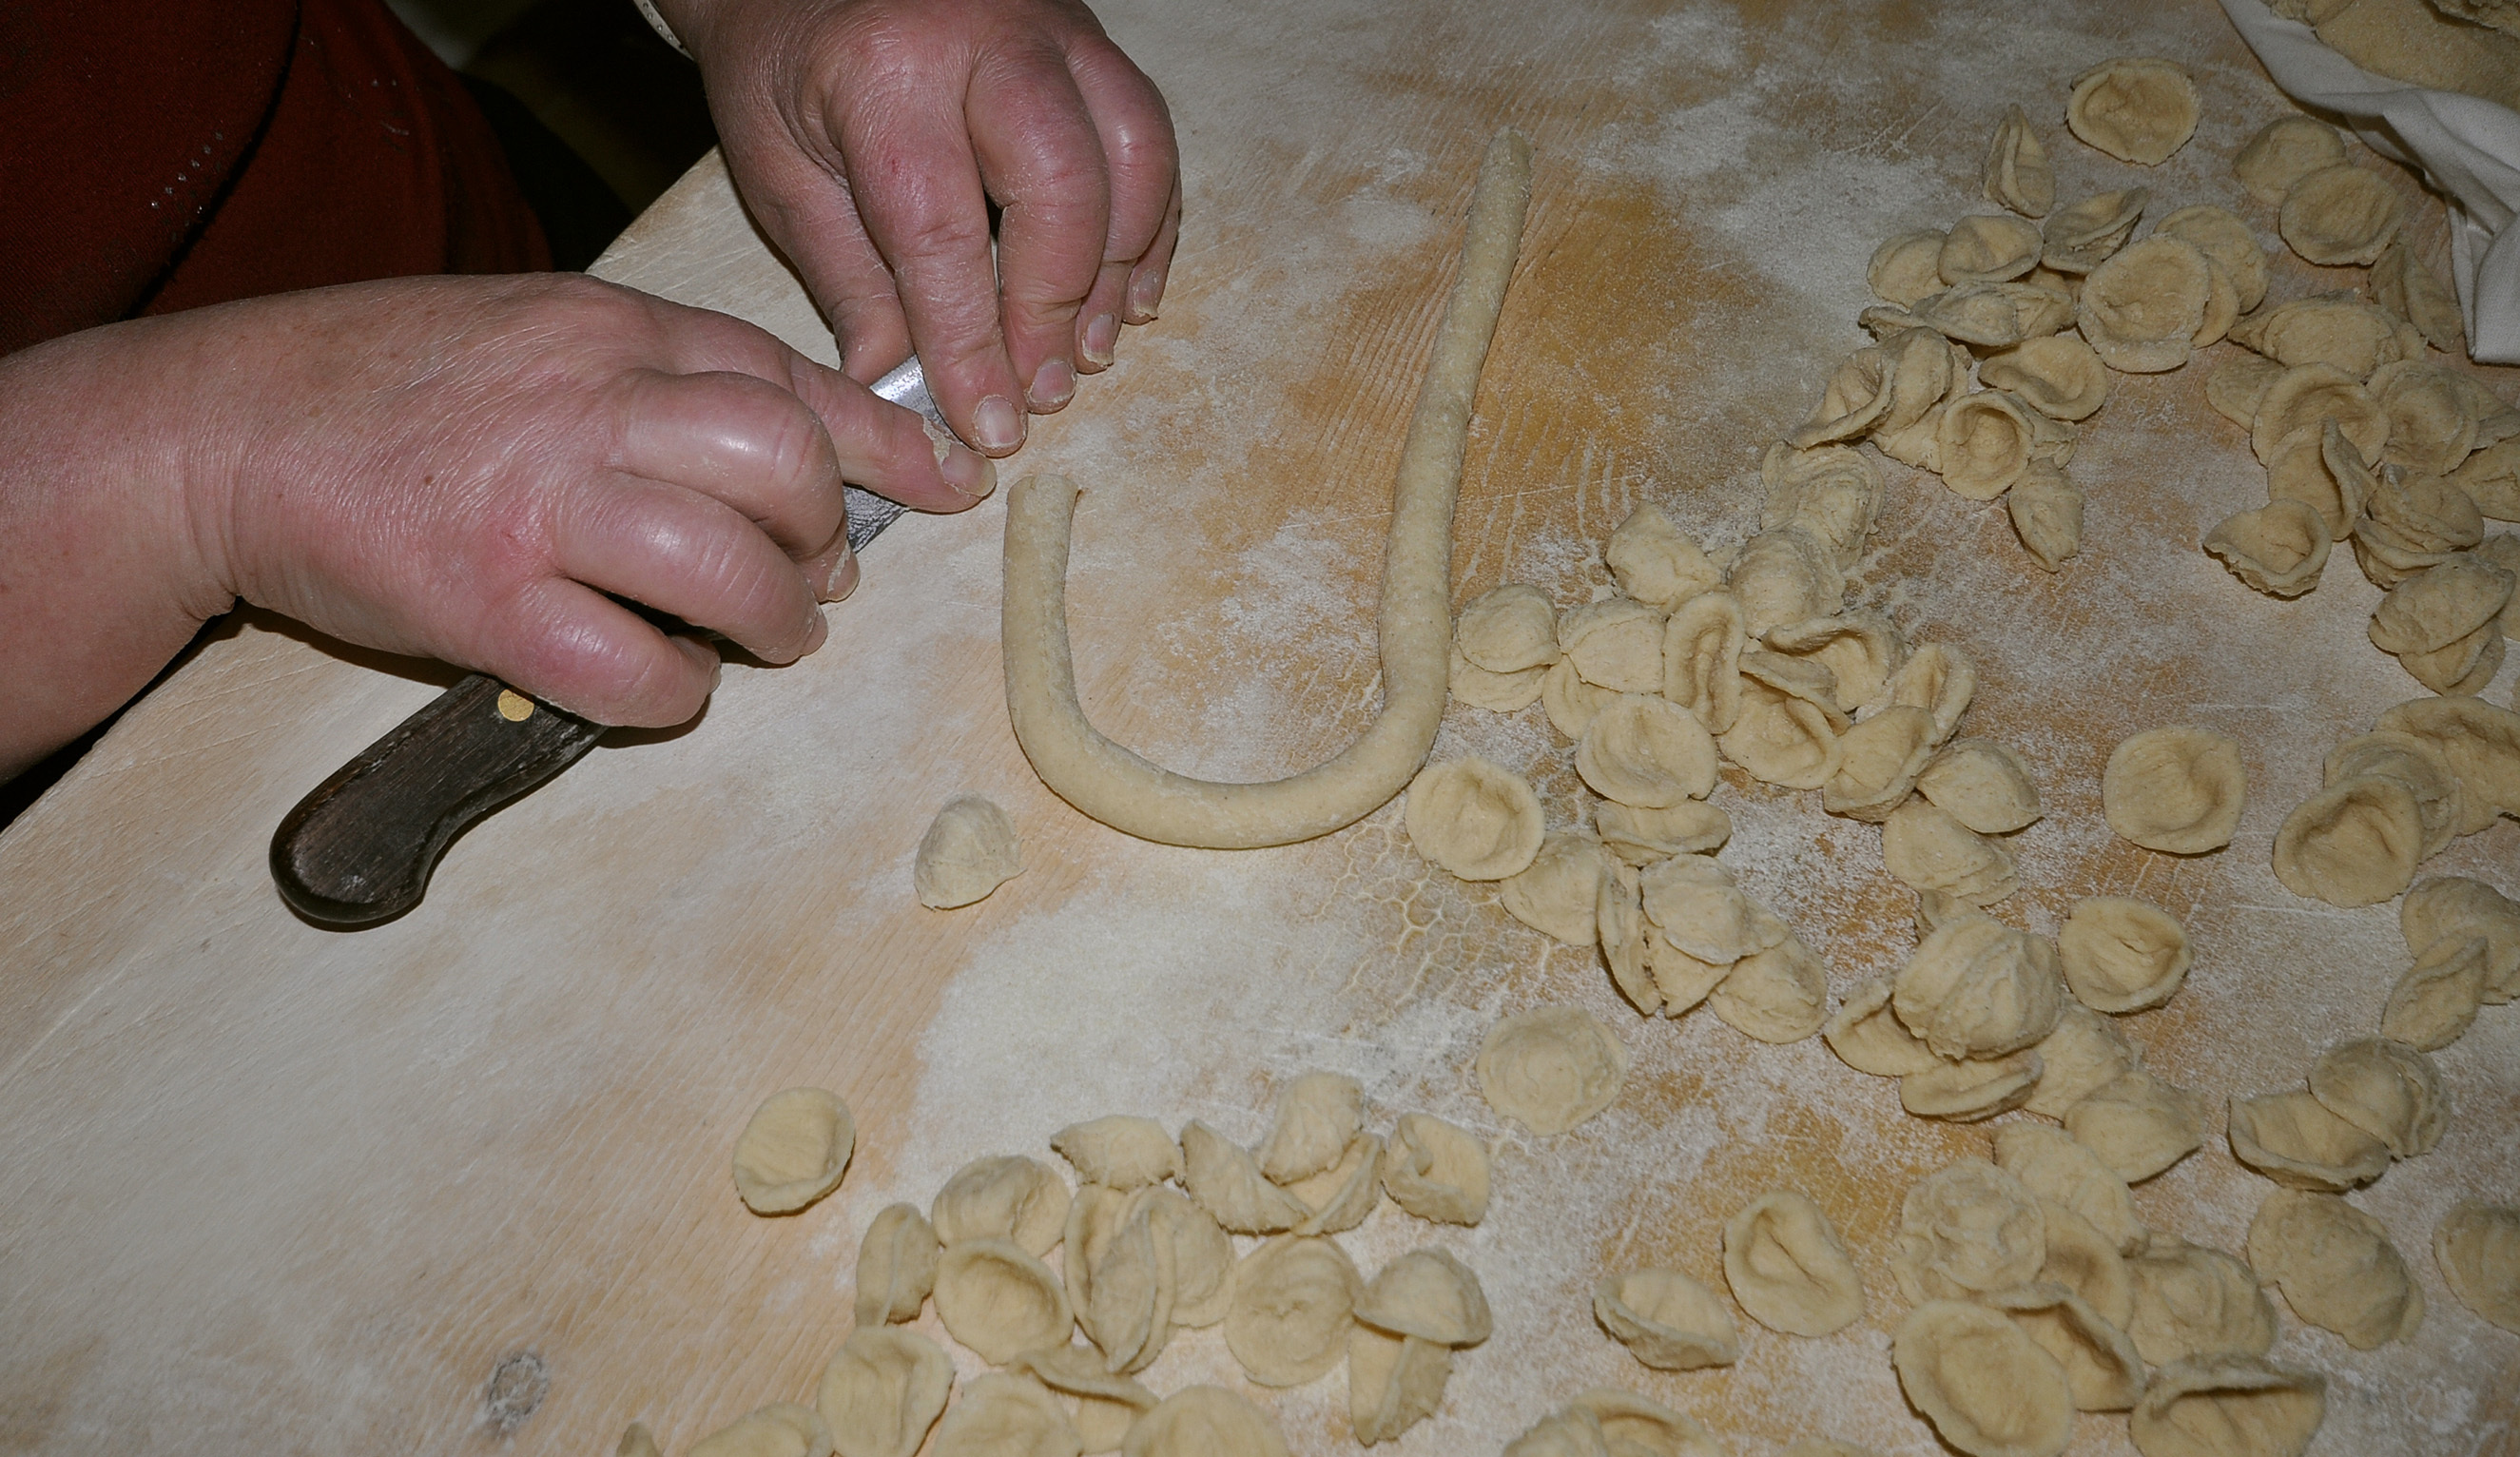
{"points": [[1116, 787]]}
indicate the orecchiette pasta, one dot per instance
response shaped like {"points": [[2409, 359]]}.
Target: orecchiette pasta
{"points": [[2086, 1263], [1616, 643], [1983, 784], [2480, 741], [2339, 215], [1881, 758], [2335, 329], [2278, 549], [1780, 576], [1979, 989], [2082, 235], [2053, 1166], [1702, 645], [998, 1301], [1641, 837], [1692, 900], [882, 1391], [1569, 700], [793, 1149], [2138, 1124], [1119, 1151], [1782, 739], [2354, 843], [1988, 249], [1429, 1295], [1788, 1268], [2431, 429], [1393, 1383], [1779, 994], [1204, 1421], [1435, 1171], [1989, 1390], [2294, 1140], [1008, 1196], [1497, 693], [2237, 384], [2336, 1267], [2456, 907], [1643, 749], [1832, 492], [1966, 1229], [2434, 1003], [2103, 1369], [2135, 109], [1343, 1195], [2178, 790], [2228, 1406], [1907, 268], [1867, 1035], [2193, 1302], [2446, 607], [2085, 1053], [1656, 564], [1106, 1404], [1293, 1298], [1552, 1068], [1632, 1427], [2060, 376], [1667, 1320], [2407, 287], [782, 1429], [1928, 849], [1227, 1182], [2478, 1249], [1558, 894], [1861, 649], [1474, 818], [1317, 1115], [1983, 443], [1511, 630], [2142, 310], [2386, 1089], [2018, 174], [2221, 235], [2122, 955], [1000, 1413], [2306, 395], [1971, 1089], [1940, 679], [2282, 153], [897, 1266]]}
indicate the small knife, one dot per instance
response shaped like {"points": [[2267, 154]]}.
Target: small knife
{"points": [[359, 848]]}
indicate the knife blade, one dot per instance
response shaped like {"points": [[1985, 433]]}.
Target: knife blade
{"points": [[359, 849]]}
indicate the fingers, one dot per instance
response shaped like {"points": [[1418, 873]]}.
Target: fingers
{"points": [[1135, 130], [1042, 157], [570, 645], [810, 210], [688, 555]]}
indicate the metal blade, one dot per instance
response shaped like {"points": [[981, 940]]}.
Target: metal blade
{"points": [[869, 513]]}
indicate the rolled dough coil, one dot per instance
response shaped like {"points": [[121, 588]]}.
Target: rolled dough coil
{"points": [[1115, 786]]}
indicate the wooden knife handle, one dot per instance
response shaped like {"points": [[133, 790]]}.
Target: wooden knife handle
{"points": [[359, 848]]}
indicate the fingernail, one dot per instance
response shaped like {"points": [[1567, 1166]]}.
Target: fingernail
{"points": [[965, 469], [1101, 335], [1053, 385], [1146, 290], [818, 628], [998, 423], [842, 581]]}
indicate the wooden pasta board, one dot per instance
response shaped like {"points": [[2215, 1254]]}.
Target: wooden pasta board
{"points": [[278, 1188]]}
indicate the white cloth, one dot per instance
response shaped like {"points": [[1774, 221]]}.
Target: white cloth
{"points": [[2466, 147]]}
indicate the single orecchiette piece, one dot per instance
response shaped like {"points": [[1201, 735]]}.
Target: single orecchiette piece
{"points": [[2228, 1406], [2338, 328], [970, 849], [1784, 576], [1881, 759], [1616, 643], [2480, 741], [2141, 311], [1967, 1228], [1393, 1383], [2278, 549], [2137, 108], [2102, 1368], [1008, 1196], [1569, 700], [2355, 842], [2490, 477], [1907, 268], [1000, 1413], [2446, 607], [2294, 1140], [1692, 900], [782, 1429], [2018, 174], [1474, 818], [1227, 1181], [896, 1265], [2317, 466], [1780, 739], [2178, 790], [2050, 1164], [2457, 908], [2085, 1054], [2306, 395], [1204, 1421], [1857, 394], [1201, 1256], [2046, 511], [1558, 894], [1988, 249], [1317, 1115], [1632, 1427], [2431, 429], [1293, 1298], [1986, 1385], [2407, 287], [1832, 492], [1656, 564], [1497, 693], [1568, 1432], [1788, 1268], [2192, 1302], [1641, 837], [1971, 1089], [2434, 1002], [1861, 649], [793, 1149], [2339, 216], [1867, 1035], [2237, 384], [1435, 1171], [2441, 802], [1343, 1195], [1119, 1151], [1511, 630], [1667, 1320], [1551, 1068], [2122, 955], [1982, 784], [2221, 235], [998, 1301], [2082, 235], [1780, 994], [2060, 376], [2478, 1249], [1983, 443], [2282, 153], [1430, 1295], [2386, 1089], [1702, 645], [1645, 751], [882, 1391], [1976, 988], [1928, 849], [1108, 1404], [2138, 1124], [2336, 1267], [1940, 679]]}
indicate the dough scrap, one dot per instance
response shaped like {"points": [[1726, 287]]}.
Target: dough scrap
{"points": [[1227, 1182], [2278, 549], [1435, 1171], [1111, 784], [1551, 1068], [1976, 988], [1558, 894], [1989, 1390], [882, 1390], [1667, 1320], [2456, 907], [1867, 1035], [1880, 758], [998, 1301], [1632, 1427], [1616, 643], [896, 1265], [2282, 153], [2339, 216], [2102, 1367], [1120, 1152], [2193, 1302], [2137, 108], [1293, 1298], [2018, 174], [1006, 1197], [1508, 629], [2480, 741], [2386, 1089], [1780, 994], [1393, 1383], [2478, 1249], [1971, 1089], [2228, 1406], [2122, 955], [1343, 1195], [782, 1429], [2050, 1164], [2085, 1053], [2294, 1140], [970, 849], [1788, 1267], [2178, 790], [1474, 818], [2060, 376], [1644, 750], [1965, 1229], [2138, 1124], [2081, 236], [2336, 1267], [1005, 1416], [1641, 837], [1204, 1421], [1988, 249], [2142, 310], [2434, 1002], [1429, 1295], [2220, 234], [1983, 784], [2355, 842], [1317, 1115], [793, 1149], [1930, 850], [1106, 1404], [2407, 287]]}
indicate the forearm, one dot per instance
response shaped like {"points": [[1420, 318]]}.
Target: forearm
{"points": [[101, 579]]}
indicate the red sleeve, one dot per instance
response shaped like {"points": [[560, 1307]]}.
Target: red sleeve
{"points": [[158, 154]]}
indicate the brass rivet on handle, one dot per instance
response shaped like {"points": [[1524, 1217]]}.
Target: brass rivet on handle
{"points": [[515, 707]]}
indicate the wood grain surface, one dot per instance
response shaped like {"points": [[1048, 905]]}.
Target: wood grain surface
{"points": [[459, 1183]]}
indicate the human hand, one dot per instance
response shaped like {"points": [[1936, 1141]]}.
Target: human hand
{"points": [[459, 469], [869, 137]]}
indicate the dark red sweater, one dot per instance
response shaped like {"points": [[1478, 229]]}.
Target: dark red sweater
{"points": [[160, 154]]}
